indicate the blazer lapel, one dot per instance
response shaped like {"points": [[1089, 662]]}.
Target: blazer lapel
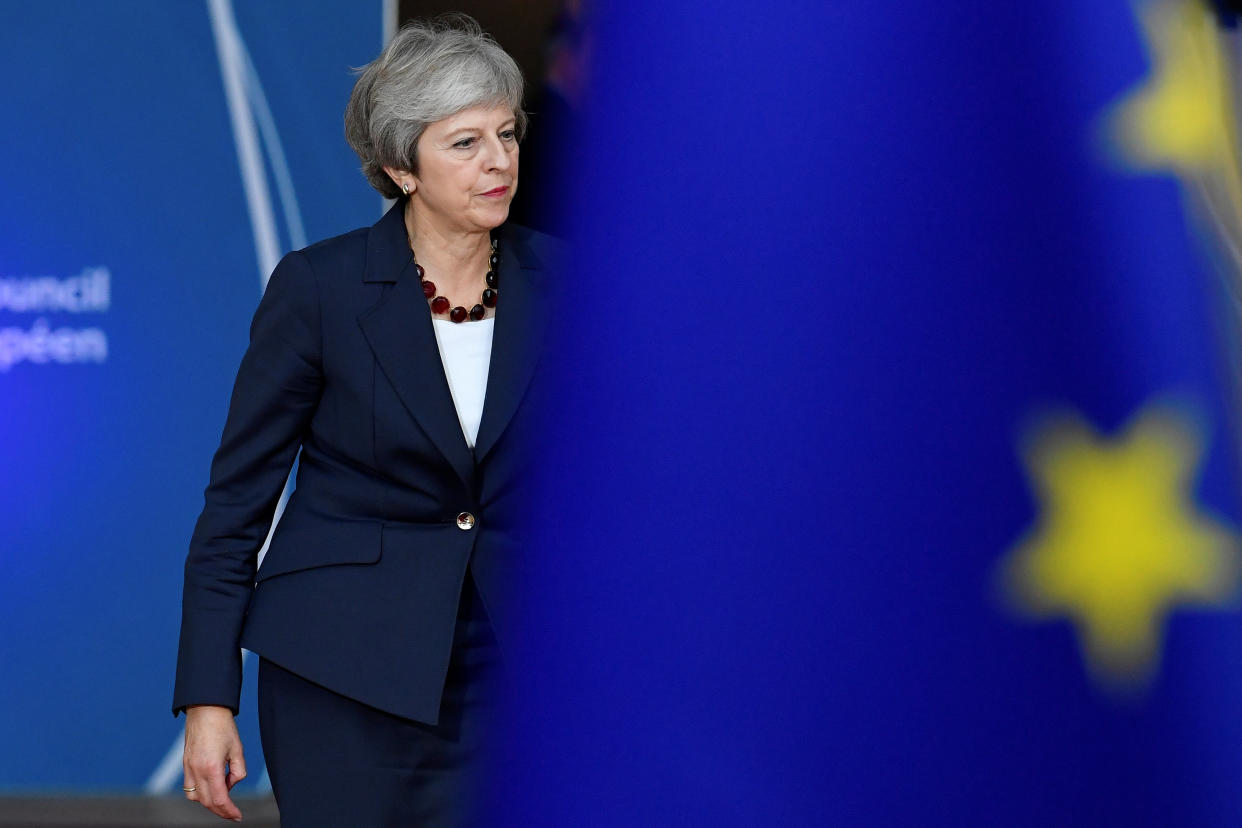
{"points": [[521, 323], [400, 334]]}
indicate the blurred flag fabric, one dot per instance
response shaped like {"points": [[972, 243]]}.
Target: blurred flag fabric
{"points": [[895, 471]]}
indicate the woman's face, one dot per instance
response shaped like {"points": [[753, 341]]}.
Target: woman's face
{"points": [[468, 168]]}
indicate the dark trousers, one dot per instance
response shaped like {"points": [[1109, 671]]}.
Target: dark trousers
{"points": [[337, 763]]}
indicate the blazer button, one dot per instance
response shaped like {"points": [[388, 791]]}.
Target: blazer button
{"points": [[465, 521]]}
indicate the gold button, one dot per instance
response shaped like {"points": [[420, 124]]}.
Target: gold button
{"points": [[465, 520]]}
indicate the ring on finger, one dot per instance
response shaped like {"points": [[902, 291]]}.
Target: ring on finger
{"points": [[190, 790]]}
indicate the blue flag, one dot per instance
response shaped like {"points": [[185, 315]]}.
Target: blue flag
{"points": [[894, 478]]}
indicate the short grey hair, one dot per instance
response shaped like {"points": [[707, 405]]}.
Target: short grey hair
{"points": [[430, 70]]}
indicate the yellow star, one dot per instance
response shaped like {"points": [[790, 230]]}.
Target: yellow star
{"points": [[1181, 117], [1119, 541]]}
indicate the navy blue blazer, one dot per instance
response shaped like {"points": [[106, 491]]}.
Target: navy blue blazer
{"points": [[358, 591]]}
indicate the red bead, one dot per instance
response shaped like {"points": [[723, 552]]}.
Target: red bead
{"points": [[478, 312], [418, 270], [439, 305], [458, 314], [429, 289], [489, 298]]}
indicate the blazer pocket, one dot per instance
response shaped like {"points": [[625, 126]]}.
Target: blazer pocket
{"points": [[306, 540]]}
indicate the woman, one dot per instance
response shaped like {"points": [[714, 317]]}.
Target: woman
{"points": [[388, 356]]}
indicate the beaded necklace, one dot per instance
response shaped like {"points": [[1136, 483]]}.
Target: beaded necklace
{"points": [[440, 304]]}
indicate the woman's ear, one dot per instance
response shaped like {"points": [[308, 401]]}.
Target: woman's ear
{"points": [[405, 182]]}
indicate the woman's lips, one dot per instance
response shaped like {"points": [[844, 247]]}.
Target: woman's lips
{"points": [[499, 191]]}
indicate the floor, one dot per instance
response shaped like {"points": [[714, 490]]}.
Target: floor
{"points": [[125, 812]]}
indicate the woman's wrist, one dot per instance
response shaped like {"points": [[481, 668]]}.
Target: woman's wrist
{"points": [[205, 707]]}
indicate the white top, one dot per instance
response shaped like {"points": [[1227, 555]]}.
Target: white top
{"points": [[466, 351]]}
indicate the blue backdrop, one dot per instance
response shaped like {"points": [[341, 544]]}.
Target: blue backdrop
{"points": [[121, 173]]}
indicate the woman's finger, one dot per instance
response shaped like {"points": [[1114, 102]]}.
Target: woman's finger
{"points": [[218, 801], [187, 784], [237, 767]]}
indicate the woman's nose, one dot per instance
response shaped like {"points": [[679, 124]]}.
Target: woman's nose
{"points": [[498, 156]]}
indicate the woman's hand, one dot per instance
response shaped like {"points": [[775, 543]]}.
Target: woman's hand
{"points": [[213, 760]]}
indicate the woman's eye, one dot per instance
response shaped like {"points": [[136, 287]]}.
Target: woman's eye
{"points": [[464, 143], [508, 135]]}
